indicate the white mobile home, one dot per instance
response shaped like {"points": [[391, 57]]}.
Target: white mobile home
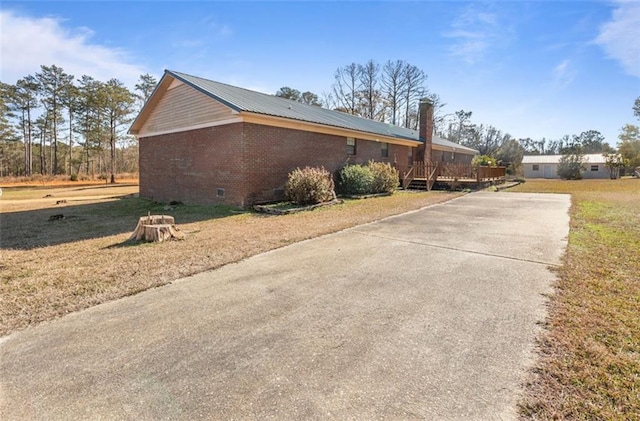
{"points": [[546, 166]]}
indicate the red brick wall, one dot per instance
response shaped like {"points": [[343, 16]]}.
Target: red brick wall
{"points": [[190, 166], [249, 161], [275, 152]]}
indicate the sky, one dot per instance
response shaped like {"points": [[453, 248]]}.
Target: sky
{"points": [[539, 69]]}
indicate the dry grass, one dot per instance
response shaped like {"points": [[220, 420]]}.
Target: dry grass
{"points": [[50, 268], [590, 353]]}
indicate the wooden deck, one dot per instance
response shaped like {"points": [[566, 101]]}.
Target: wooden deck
{"points": [[424, 175]]}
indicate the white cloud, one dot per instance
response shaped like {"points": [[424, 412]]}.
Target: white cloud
{"points": [[619, 37], [215, 28], [473, 33], [563, 73], [28, 42]]}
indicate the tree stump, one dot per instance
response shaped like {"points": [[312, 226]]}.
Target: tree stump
{"points": [[156, 228]]}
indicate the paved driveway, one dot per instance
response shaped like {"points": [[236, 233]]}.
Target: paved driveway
{"points": [[428, 315]]}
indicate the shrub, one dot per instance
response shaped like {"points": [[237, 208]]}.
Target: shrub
{"points": [[74, 177], [309, 186], [571, 166], [355, 179], [385, 177], [483, 160]]}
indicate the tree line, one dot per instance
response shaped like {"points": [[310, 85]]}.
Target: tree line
{"points": [[391, 93], [52, 123]]}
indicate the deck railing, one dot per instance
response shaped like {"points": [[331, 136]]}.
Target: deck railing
{"points": [[491, 173], [450, 171], [432, 171], [407, 175]]}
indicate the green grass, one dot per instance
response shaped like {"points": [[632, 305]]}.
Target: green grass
{"points": [[589, 365]]}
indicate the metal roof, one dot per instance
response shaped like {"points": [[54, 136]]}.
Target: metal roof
{"points": [[594, 158], [240, 99], [437, 140]]}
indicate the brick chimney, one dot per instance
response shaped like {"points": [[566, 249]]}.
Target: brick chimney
{"points": [[425, 125]]}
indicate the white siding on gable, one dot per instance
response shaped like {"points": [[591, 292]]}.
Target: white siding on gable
{"points": [[182, 107]]}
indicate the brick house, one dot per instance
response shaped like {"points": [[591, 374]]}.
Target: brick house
{"points": [[210, 143]]}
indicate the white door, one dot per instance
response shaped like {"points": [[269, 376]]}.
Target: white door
{"points": [[548, 173]]}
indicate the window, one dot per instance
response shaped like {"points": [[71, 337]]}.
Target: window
{"points": [[351, 146], [535, 167], [595, 168], [410, 156], [385, 149], [219, 192]]}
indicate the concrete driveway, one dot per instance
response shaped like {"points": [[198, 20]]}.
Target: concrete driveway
{"points": [[427, 315]]}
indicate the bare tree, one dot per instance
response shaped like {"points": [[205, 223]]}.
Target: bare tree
{"points": [[414, 80], [345, 88], [393, 83], [438, 117], [369, 94], [458, 128]]}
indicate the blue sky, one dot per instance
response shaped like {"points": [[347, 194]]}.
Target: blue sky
{"points": [[532, 69]]}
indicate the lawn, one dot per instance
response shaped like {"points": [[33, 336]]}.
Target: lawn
{"points": [[589, 365], [50, 268]]}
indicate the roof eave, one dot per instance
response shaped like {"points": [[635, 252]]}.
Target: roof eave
{"points": [[277, 121]]}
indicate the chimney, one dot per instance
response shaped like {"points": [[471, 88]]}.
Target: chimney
{"points": [[425, 124]]}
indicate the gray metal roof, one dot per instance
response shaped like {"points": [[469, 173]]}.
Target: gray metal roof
{"points": [[240, 99], [437, 140]]}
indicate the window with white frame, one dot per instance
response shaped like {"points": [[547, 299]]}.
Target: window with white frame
{"points": [[385, 149], [351, 146], [535, 167]]}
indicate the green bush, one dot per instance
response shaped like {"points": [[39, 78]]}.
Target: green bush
{"points": [[385, 177], [355, 179], [483, 160], [571, 166], [309, 186]]}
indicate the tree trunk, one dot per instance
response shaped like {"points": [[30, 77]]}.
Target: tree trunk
{"points": [[70, 140], [112, 141], [156, 228]]}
